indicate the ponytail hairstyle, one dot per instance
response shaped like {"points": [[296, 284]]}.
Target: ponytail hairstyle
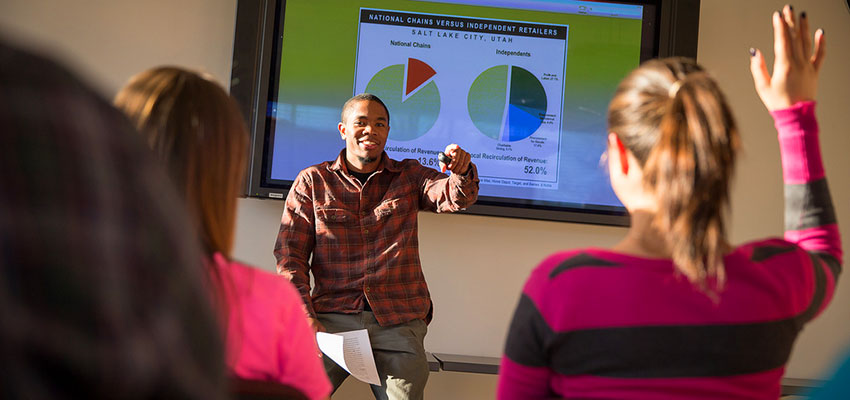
{"points": [[673, 117]]}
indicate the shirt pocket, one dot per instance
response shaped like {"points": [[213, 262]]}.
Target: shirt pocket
{"points": [[387, 208], [334, 216]]}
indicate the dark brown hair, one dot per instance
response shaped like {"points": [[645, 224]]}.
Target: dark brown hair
{"points": [[673, 117], [102, 288], [196, 128], [361, 97]]}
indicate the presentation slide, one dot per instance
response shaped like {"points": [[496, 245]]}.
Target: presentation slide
{"points": [[493, 86], [522, 86]]}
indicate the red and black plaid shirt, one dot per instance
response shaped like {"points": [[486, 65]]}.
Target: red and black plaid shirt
{"points": [[363, 238]]}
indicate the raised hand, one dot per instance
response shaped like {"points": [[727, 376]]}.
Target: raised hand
{"points": [[796, 65]]}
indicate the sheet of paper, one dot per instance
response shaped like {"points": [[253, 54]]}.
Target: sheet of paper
{"points": [[352, 351]]}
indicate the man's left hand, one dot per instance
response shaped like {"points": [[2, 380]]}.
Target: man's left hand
{"points": [[459, 163]]}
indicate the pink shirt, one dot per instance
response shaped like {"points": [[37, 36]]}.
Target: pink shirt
{"points": [[268, 337]]}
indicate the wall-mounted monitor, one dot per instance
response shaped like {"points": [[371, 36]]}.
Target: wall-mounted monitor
{"points": [[523, 86]]}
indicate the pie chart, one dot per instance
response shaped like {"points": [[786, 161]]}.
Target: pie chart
{"points": [[507, 103], [411, 95]]}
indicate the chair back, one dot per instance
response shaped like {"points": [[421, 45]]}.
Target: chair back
{"points": [[247, 389]]}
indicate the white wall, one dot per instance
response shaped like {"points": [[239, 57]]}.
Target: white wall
{"points": [[107, 41], [727, 29], [476, 265]]}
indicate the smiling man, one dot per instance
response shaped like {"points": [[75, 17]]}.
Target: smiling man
{"points": [[365, 132], [352, 223]]}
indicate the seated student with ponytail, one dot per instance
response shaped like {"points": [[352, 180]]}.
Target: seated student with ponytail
{"points": [[197, 132], [674, 310]]}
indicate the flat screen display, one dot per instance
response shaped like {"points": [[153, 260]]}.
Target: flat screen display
{"points": [[523, 86]]}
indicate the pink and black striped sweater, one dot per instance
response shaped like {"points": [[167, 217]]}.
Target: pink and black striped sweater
{"points": [[593, 323]]}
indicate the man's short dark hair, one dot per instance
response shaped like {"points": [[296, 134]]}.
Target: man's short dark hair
{"points": [[362, 97]]}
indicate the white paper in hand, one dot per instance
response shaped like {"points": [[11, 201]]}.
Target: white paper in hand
{"points": [[352, 351]]}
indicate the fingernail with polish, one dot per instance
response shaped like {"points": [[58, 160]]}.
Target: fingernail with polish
{"points": [[803, 14], [752, 52]]}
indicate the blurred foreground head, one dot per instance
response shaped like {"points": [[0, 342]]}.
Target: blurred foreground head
{"points": [[102, 293]]}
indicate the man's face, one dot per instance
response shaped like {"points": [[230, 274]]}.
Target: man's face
{"points": [[365, 131]]}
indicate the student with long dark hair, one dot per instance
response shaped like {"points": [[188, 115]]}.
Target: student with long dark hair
{"points": [[102, 288], [674, 310], [197, 131]]}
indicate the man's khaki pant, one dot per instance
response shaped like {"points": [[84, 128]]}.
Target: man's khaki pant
{"points": [[399, 354]]}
